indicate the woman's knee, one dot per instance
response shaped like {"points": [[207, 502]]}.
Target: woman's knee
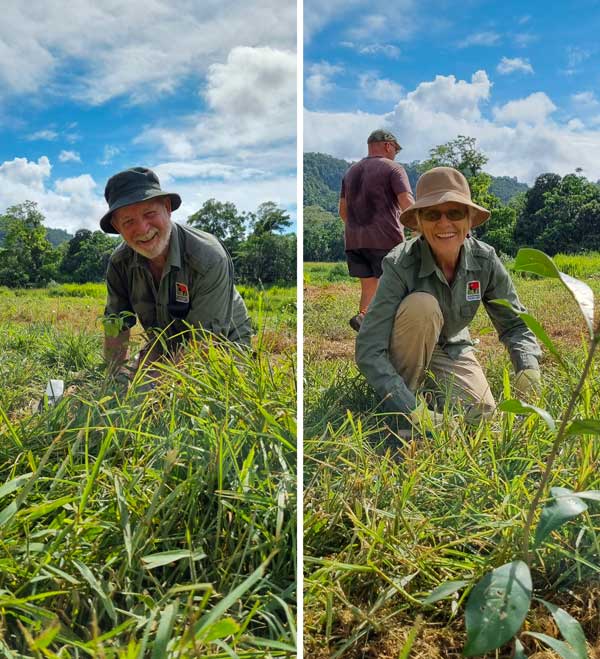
{"points": [[419, 307]]}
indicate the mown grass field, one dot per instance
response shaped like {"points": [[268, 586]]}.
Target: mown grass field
{"points": [[145, 524], [386, 521]]}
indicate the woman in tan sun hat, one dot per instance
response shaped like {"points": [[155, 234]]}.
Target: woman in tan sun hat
{"points": [[430, 290]]}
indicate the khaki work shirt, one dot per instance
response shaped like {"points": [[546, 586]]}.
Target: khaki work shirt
{"points": [[480, 277], [196, 288]]}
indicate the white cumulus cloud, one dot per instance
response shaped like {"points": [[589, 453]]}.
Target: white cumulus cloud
{"points": [[46, 134], [319, 81], [508, 65], [172, 40], [251, 100], [521, 137], [380, 89], [487, 38], [531, 110], [108, 153], [587, 99], [71, 204], [69, 156], [386, 49]]}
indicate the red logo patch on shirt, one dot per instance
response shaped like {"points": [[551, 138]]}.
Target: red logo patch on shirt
{"points": [[473, 291], [182, 293]]}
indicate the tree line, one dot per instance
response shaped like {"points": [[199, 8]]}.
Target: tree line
{"points": [[260, 252], [557, 214]]}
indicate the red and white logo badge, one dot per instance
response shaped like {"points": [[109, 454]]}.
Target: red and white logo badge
{"points": [[182, 294], [473, 291]]}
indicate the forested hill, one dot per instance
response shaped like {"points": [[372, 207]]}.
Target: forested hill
{"points": [[55, 236], [323, 177]]}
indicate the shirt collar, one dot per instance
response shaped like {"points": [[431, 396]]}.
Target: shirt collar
{"points": [[428, 265], [466, 259]]}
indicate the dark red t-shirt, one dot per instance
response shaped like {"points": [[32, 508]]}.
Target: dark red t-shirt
{"points": [[371, 188]]}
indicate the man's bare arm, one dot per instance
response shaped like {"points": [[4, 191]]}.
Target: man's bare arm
{"points": [[343, 209], [116, 350], [405, 199]]}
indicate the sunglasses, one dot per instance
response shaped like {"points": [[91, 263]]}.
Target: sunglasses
{"points": [[433, 214]]}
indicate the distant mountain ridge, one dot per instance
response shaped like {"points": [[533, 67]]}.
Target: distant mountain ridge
{"points": [[323, 177]]}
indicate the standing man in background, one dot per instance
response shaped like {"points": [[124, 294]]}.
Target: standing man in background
{"points": [[374, 192]]}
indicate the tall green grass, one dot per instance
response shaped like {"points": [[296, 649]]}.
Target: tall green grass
{"points": [[388, 519], [582, 266], [157, 523]]}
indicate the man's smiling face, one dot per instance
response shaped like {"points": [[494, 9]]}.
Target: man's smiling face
{"points": [[145, 226]]}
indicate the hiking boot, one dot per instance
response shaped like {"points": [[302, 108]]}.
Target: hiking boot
{"points": [[356, 321]]}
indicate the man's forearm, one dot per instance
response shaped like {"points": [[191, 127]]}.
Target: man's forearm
{"points": [[343, 209], [116, 350]]}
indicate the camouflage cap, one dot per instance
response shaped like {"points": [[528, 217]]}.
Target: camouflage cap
{"points": [[381, 135], [130, 187]]}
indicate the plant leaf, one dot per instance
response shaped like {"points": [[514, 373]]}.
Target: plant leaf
{"points": [[221, 629], [12, 485], [535, 326], [519, 407], [532, 260], [569, 628], [205, 623], [584, 296], [583, 427], [560, 647], [497, 607], [592, 495], [566, 506], [443, 591], [163, 633], [410, 639], [519, 650], [95, 585], [152, 561]]}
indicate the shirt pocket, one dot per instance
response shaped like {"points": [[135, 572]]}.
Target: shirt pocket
{"points": [[468, 311]]}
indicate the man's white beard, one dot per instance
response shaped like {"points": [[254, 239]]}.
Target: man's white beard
{"points": [[161, 246]]}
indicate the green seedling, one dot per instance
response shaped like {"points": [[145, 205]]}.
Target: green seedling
{"points": [[500, 601]]}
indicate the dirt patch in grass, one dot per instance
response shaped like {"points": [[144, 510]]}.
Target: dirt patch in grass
{"points": [[445, 641]]}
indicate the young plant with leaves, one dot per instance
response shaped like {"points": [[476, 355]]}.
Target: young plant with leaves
{"points": [[500, 601]]}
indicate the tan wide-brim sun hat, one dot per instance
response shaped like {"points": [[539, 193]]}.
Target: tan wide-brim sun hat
{"points": [[437, 186]]}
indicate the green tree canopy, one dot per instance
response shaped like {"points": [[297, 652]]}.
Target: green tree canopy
{"points": [[561, 215], [323, 235], [86, 256], [27, 258], [269, 218], [460, 153], [222, 219]]}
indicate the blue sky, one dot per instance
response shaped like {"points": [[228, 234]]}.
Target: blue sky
{"points": [[522, 78], [202, 92]]}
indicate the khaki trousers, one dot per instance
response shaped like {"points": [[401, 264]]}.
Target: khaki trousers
{"points": [[414, 350]]}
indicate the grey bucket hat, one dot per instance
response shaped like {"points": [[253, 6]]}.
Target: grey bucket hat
{"points": [[437, 186], [130, 187]]}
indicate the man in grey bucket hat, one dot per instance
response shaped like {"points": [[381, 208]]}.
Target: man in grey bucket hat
{"points": [[168, 276], [374, 192]]}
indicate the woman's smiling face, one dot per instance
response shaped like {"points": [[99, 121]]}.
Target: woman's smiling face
{"points": [[444, 235]]}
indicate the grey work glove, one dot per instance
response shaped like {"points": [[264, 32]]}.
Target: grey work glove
{"points": [[423, 417], [528, 383]]}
